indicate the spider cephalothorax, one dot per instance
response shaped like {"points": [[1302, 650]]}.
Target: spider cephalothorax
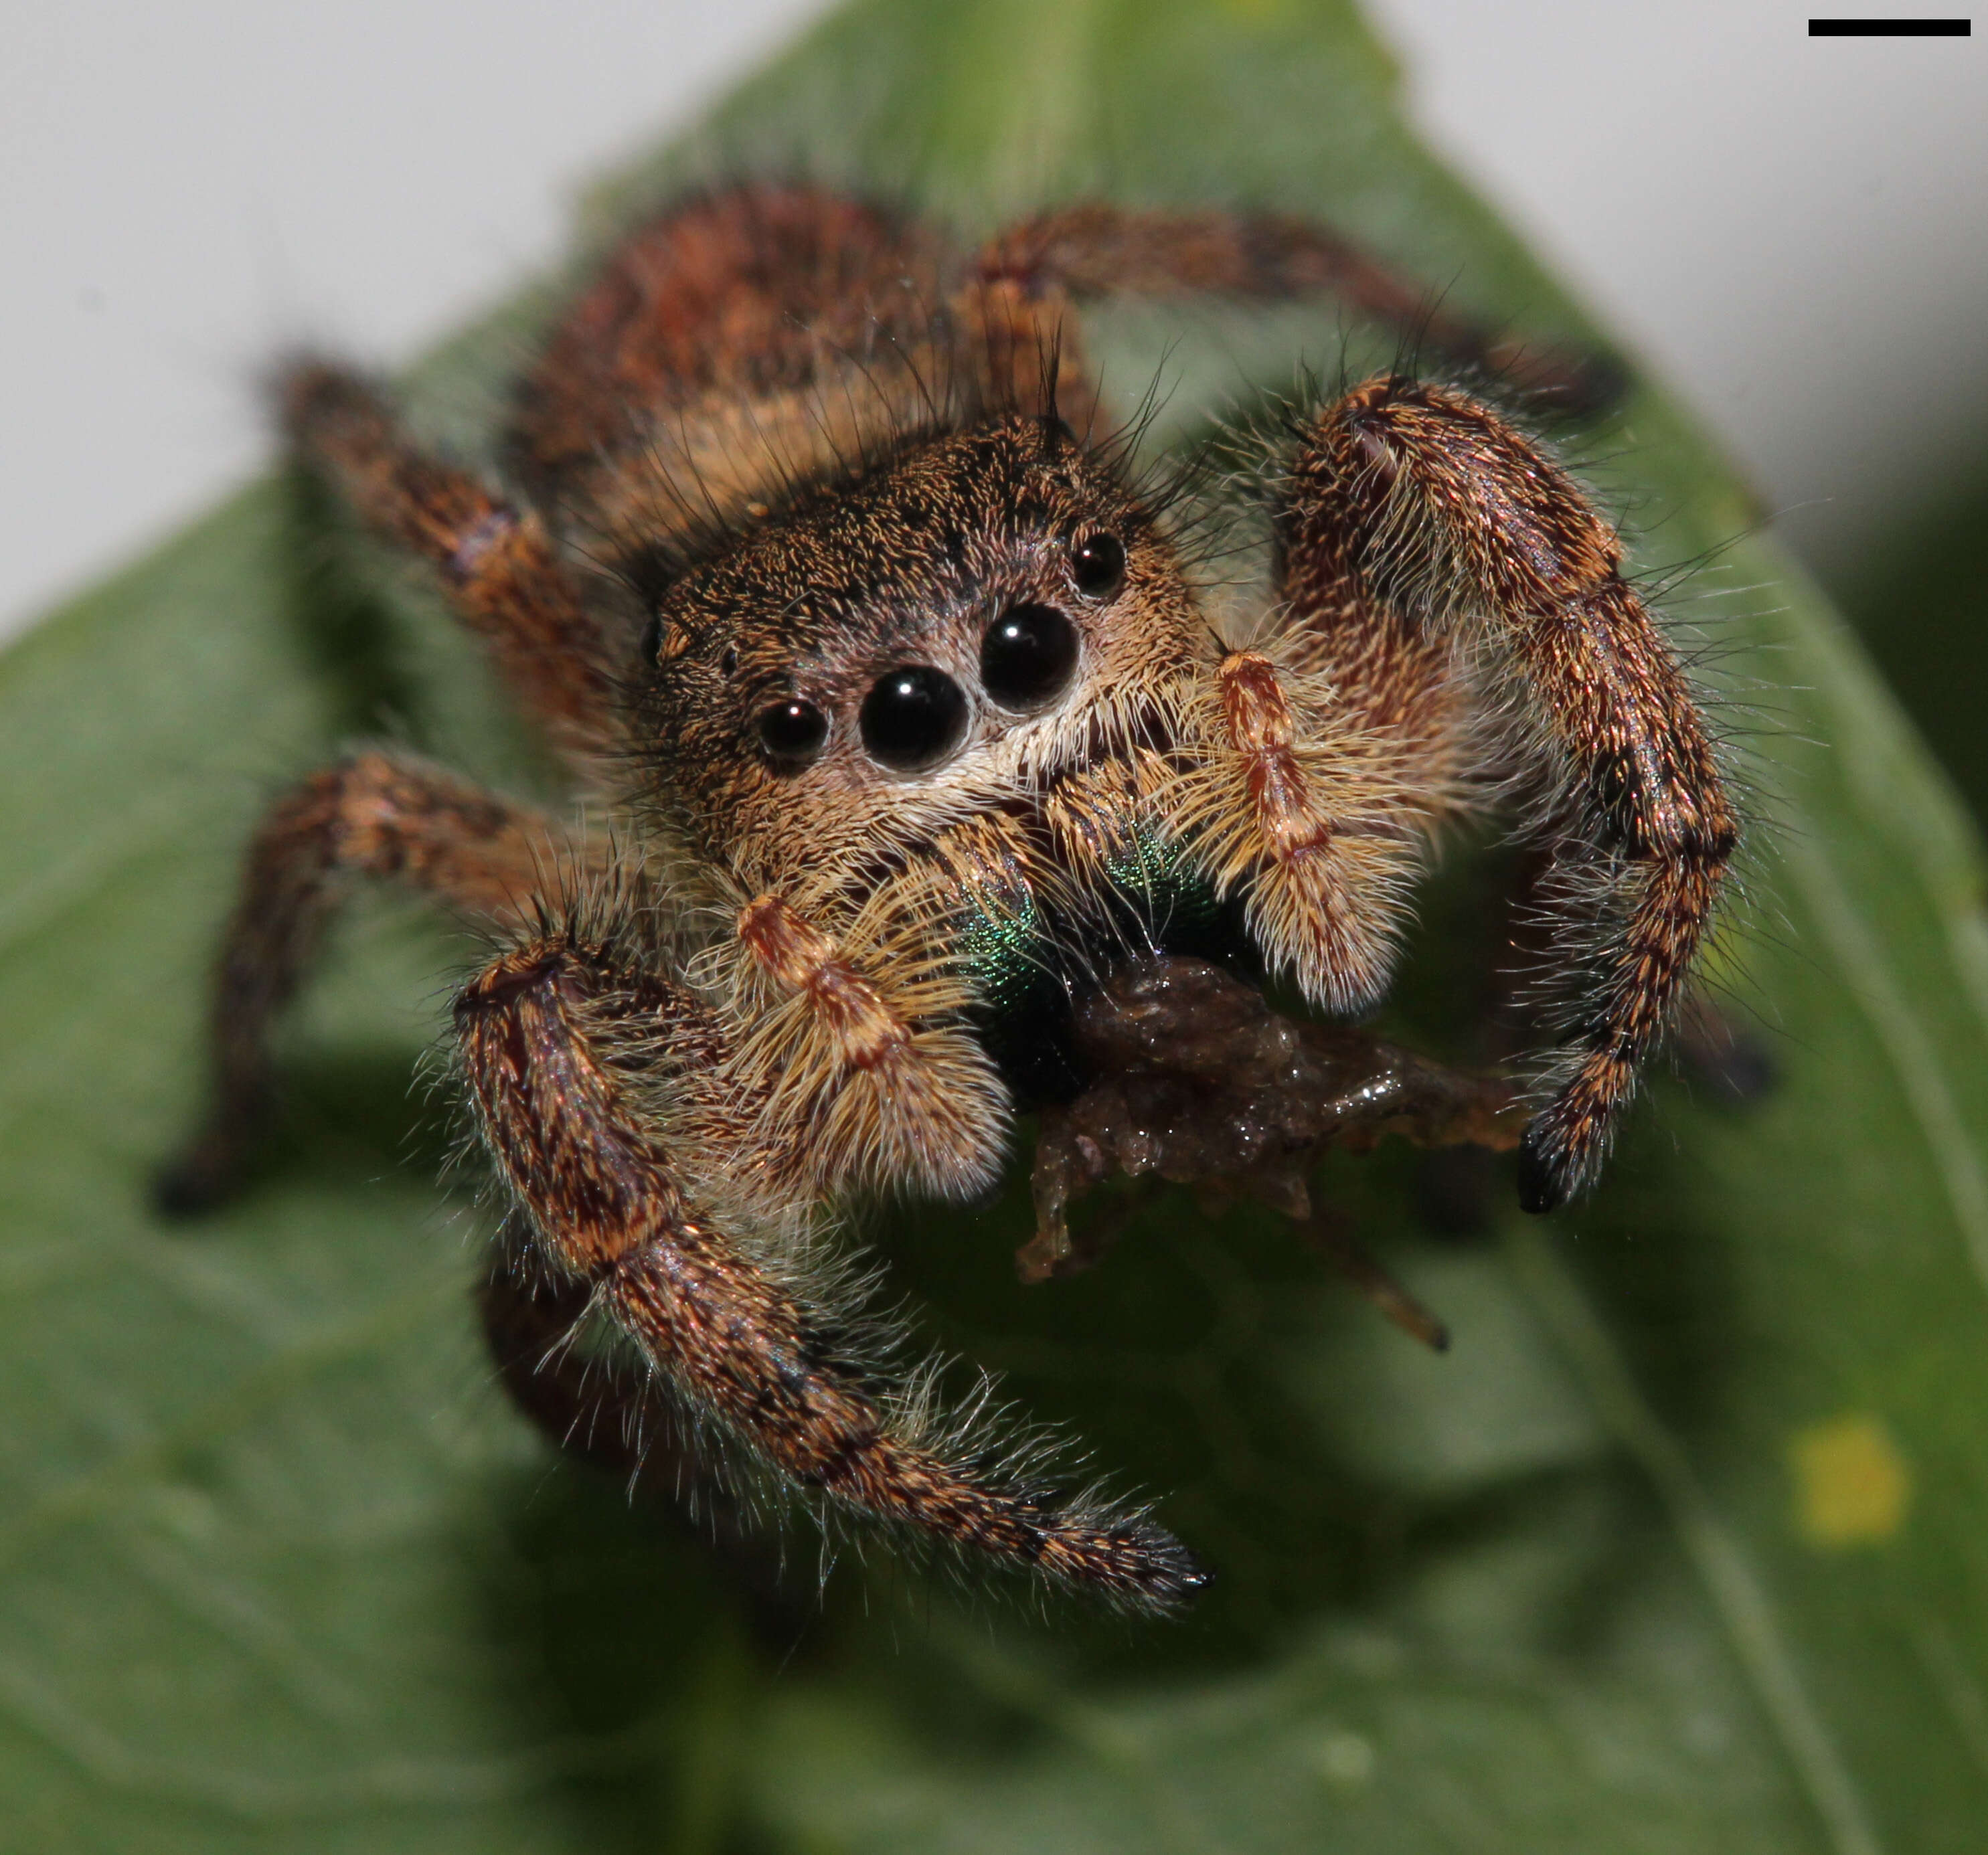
{"points": [[937, 790], [871, 667]]}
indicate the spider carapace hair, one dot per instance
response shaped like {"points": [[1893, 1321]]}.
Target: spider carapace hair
{"points": [[923, 785]]}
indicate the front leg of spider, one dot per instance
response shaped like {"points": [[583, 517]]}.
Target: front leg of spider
{"points": [[544, 1037], [1444, 568]]}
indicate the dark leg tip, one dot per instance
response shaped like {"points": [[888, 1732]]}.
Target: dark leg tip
{"points": [[1562, 383], [201, 1181], [1593, 384], [307, 391], [1181, 1579], [1159, 1574], [1542, 1170]]}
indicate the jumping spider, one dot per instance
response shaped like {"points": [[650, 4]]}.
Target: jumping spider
{"points": [[926, 766]]}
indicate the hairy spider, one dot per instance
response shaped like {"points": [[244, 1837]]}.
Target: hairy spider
{"points": [[937, 792]]}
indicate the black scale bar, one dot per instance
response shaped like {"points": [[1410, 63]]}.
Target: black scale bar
{"points": [[1891, 28]]}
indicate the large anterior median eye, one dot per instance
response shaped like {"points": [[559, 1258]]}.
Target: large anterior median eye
{"points": [[913, 717], [1028, 656]]}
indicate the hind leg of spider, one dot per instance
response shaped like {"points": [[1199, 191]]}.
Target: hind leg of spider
{"points": [[1437, 565], [552, 1050], [496, 564], [1098, 249], [376, 815]]}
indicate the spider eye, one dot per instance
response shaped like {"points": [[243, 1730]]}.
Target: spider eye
{"points": [[1028, 656], [792, 733], [913, 717], [1098, 565]]}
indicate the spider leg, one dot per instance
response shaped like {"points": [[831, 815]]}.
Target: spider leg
{"points": [[557, 1083], [374, 814], [1432, 557], [1098, 249], [498, 566]]}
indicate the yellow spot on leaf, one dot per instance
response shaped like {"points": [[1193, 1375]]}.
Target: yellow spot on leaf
{"points": [[1852, 1487]]}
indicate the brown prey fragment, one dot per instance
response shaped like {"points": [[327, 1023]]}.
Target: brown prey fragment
{"points": [[1201, 1083]]}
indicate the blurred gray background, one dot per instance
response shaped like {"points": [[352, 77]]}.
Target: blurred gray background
{"points": [[1794, 231]]}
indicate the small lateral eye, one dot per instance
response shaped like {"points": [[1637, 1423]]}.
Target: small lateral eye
{"points": [[1028, 656], [1098, 565], [791, 732], [913, 717]]}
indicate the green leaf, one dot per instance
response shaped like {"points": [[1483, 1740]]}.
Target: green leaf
{"points": [[1679, 1550]]}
